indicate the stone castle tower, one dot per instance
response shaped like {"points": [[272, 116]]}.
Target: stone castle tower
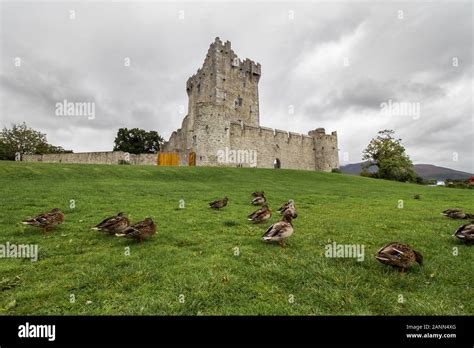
{"points": [[223, 116]]}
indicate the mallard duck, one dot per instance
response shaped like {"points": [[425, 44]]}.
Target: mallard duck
{"points": [[289, 206], [139, 231], [285, 206], [259, 200], [457, 214], [280, 230], [113, 224], [258, 193], [399, 255], [221, 203], [260, 215], [466, 233], [46, 220], [417, 196]]}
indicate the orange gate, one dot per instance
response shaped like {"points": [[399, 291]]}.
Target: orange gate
{"points": [[168, 159]]}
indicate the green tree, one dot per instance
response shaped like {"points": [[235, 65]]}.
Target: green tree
{"points": [[137, 141], [21, 139], [388, 155]]}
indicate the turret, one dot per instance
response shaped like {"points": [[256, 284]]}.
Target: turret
{"points": [[325, 149]]}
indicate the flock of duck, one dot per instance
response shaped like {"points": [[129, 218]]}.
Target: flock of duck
{"points": [[279, 231], [395, 254]]}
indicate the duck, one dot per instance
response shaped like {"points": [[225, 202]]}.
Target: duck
{"points": [[139, 231], [399, 255], [46, 220], [280, 231], [258, 193], [289, 206], [219, 203], [466, 233], [457, 214], [113, 224], [261, 215], [259, 200]]}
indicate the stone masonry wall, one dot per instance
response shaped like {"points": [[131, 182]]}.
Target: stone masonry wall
{"points": [[112, 157], [291, 149]]}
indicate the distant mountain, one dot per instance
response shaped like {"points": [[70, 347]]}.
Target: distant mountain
{"points": [[426, 171]]}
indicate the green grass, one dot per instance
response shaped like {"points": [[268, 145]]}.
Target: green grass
{"points": [[193, 251]]}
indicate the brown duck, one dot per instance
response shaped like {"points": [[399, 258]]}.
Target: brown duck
{"points": [[46, 220], [219, 203], [259, 200], [280, 231], [139, 231], [261, 215], [399, 255], [258, 193], [457, 214], [466, 233], [289, 206], [113, 224]]}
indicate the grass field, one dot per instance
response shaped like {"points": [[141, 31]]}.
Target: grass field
{"points": [[190, 266]]}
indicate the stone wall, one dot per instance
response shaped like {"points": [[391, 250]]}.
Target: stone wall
{"points": [[112, 157], [291, 150]]}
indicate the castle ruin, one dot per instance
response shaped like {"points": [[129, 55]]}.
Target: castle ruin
{"points": [[223, 117]]}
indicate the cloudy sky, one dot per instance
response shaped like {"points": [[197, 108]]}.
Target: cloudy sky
{"points": [[335, 64]]}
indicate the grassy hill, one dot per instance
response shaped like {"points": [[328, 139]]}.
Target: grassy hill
{"points": [[194, 255], [426, 171]]}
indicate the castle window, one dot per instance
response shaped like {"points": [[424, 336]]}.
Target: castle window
{"points": [[244, 84], [238, 102], [199, 88], [194, 140]]}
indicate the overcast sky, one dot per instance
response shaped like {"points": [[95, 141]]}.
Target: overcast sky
{"points": [[333, 63]]}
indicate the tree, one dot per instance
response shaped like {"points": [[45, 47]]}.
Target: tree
{"points": [[137, 141], [388, 155], [24, 140]]}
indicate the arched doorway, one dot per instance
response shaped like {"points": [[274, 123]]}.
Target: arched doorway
{"points": [[277, 163]]}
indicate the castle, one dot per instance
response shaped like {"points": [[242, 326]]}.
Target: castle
{"points": [[222, 126]]}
